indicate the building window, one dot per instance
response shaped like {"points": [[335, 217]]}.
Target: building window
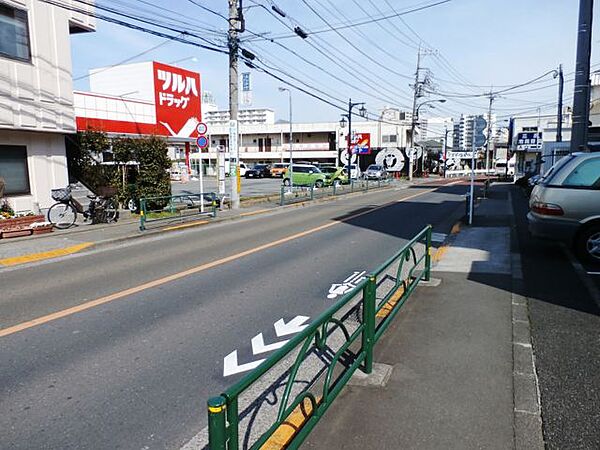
{"points": [[14, 33], [389, 138], [13, 169]]}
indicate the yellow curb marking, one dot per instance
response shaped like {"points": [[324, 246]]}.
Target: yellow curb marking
{"points": [[455, 228], [439, 254], [284, 434], [16, 260], [176, 276], [389, 306], [186, 225], [252, 213]]}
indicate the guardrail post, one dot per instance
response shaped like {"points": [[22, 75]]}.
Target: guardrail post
{"points": [[334, 188], [428, 255], [142, 214], [368, 335], [367, 184], [217, 432], [214, 203], [281, 198], [351, 185], [312, 191]]}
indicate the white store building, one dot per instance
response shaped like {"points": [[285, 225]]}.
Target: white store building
{"points": [[36, 98]]}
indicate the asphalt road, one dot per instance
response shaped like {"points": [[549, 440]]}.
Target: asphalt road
{"points": [[565, 328], [135, 371]]}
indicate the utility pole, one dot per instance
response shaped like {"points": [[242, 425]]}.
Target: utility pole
{"points": [[581, 100], [413, 122], [492, 97], [234, 150], [559, 115]]}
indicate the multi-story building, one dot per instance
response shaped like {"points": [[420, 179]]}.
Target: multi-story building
{"points": [[36, 97], [434, 128], [252, 116]]}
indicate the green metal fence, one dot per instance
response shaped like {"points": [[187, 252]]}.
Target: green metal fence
{"points": [[316, 364], [176, 207], [303, 193]]}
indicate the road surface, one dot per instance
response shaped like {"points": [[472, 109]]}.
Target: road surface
{"points": [[120, 347]]}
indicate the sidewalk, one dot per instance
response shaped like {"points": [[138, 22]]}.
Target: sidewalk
{"points": [[462, 373]]}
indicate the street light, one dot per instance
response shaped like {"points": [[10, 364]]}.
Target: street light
{"points": [[291, 170], [412, 130], [363, 112]]}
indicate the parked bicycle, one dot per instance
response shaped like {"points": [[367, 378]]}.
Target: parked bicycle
{"points": [[63, 214]]}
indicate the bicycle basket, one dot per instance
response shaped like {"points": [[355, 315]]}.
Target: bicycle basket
{"points": [[61, 195]]}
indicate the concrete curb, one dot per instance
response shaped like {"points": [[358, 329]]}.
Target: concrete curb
{"points": [[527, 420]]}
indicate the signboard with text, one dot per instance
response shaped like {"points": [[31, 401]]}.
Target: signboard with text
{"points": [[361, 144], [528, 141], [177, 100]]}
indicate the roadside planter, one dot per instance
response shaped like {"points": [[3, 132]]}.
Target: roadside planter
{"points": [[24, 226]]}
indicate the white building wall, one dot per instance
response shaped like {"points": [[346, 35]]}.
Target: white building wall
{"points": [[134, 81], [38, 95], [46, 164]]}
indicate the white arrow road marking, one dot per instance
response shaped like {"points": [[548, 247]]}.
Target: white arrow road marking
{"points": [[292, 327], [231, 366], [438, 237], [259, 346]]}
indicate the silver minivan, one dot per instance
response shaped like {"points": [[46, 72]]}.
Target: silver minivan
{"points": [[565, 204]]}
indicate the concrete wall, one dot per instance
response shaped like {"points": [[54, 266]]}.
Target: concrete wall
{"points": [[46, 163]]}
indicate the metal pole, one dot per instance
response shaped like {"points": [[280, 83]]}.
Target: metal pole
{"points": [[201, 176], [445, 149], [472, 190], [581, 100], [291, 145], [217, 431], [559, 119], [349, 139], [233, 95]]}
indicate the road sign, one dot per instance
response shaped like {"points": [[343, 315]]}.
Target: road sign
{"points": [[361, 144], [529, 141], [202, 141], [201, 128], [479, 125]]}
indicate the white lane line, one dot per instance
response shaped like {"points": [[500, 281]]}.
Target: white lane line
{"points": [[593, 273]]}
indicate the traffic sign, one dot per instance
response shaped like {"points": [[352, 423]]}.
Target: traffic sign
{"points": [[201, 128], [202, 142], [479, 126]]}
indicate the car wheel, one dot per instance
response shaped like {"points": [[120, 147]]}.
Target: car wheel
{"points": [[588, 244], [286, 182], [319, 184]]}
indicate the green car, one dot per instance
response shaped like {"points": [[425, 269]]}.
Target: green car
{"points": [[305, 175], [334, 175]]}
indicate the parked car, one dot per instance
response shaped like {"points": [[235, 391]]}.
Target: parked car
{"points": [[243, 169], [375, 172], [175, 175], [278, 169], [565, 204], [259, 171], [305, 175], [354, 171], [334, 174]]}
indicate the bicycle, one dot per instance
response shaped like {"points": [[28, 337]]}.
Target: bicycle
{"points": [[63, 214]]}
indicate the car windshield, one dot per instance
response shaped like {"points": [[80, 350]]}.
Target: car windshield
{"points": [[328, 169], [374, 167]]}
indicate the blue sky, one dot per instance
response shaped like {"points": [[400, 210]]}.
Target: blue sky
{"points": [[472, 43]]}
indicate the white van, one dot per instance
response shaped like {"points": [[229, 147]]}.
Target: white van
{"points": [[501, 169]]}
